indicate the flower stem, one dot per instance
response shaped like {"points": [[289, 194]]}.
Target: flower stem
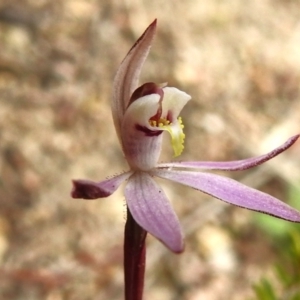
{"points": [[134, 259]]}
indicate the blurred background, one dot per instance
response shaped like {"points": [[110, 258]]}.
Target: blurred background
{"points": [[241, 65]]}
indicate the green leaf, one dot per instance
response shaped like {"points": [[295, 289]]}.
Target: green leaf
{"points": [[264, 290]]}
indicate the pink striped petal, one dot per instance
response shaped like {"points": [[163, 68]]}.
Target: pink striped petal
{"points": [[233, 192], [152, 210], [127, 77], [237, 165], [87, 189]]}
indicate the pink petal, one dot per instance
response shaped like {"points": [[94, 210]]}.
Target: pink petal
{"points": [[233, 192], [236, 165], [87, 189], [127, 77], [151, 209]]}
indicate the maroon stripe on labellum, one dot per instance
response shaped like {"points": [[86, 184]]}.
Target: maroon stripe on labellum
{"points": [[147, 131]]}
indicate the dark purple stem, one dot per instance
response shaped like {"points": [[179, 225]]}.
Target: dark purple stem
{"points": [[134, 259]]}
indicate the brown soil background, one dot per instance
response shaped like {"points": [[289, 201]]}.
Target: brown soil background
{"points": [[241, 64]]}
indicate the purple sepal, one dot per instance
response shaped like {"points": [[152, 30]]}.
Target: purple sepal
{"points": [[232, 192], [152, 210], [87, 189], [236, 165]]}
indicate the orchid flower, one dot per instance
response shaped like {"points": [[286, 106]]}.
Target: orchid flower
{"points": [[141, 115]]}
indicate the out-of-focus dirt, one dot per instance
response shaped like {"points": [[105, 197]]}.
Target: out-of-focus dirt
{"points": [[241, 64]]}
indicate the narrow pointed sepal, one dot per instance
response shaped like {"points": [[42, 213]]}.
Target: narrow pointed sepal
{"points": [[87, 189], [232, 192], [152, 210], [236, 165], [127, 77]]}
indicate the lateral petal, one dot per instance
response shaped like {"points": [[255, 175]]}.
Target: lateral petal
{"points": [[152, 210], [232, 192], [237, 165], [87, 189]]}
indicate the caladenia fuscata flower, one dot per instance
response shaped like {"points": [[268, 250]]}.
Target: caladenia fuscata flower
{"points": [[141, 116]]}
